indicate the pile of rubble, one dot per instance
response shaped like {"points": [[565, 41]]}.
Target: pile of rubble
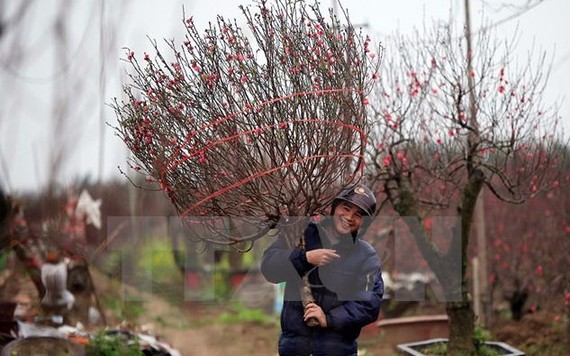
{"points": [[20, 337]]}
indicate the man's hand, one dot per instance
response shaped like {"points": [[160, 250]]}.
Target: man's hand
{"points": [[321, 256], [314, 311]]}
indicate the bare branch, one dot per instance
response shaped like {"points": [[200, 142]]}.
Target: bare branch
{"points": [[267, 121]]}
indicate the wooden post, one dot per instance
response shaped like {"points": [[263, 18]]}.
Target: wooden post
{"points": [[476, 288]]}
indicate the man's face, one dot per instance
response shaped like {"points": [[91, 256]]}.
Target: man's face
{"points": [[347, 218]]}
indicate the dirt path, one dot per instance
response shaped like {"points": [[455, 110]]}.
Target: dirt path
{"points": [[195, 328]]}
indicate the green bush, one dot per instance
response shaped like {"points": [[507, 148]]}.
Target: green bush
{"points": [[105, 344]]}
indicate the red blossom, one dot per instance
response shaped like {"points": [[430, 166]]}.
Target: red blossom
{"points": [[497, 243], [428, 223], [387, 160]]}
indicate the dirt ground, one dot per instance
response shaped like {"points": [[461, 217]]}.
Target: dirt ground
{"points": [[205, 335], [539, 333], [192, 328], [196, 328]]}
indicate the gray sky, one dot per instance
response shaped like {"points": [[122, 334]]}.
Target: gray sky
{"points": [[35, 80]]}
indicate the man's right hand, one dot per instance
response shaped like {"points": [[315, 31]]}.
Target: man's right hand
{"points": [[321, 256]]}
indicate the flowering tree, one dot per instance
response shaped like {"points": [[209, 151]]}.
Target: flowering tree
{"points": [[258, 122], [528, 255], [448, 123]]}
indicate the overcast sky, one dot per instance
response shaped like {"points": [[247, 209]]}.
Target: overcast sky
{"points": [[34, 74]]}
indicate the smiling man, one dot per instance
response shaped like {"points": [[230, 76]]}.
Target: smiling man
{"points": [[344, 273]]}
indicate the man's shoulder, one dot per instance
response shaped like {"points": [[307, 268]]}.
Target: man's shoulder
{"points": [[312, 236], [366, 247]]}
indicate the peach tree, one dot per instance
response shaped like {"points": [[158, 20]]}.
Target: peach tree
{"points": [[450, 122], [263, 122]]}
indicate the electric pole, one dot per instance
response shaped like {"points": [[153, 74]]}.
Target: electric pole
{"points": [[479, 216]]}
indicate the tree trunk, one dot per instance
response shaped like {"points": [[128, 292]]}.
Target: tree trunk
{"points": [[461, 328], [32, 264], [517, 300], [460, 313], [459, 308], [567, 325]]}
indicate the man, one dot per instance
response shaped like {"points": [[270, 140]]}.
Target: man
{"points": [[344, 273]]}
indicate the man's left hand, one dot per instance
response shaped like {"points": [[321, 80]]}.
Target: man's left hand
{"points": [[314, 311]]}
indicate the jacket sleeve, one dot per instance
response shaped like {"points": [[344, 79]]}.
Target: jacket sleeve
{"points": [[280, 263], [365, 307]]}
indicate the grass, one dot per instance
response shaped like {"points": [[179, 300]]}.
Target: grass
{"points": [[241, 314], [123, 309]]}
